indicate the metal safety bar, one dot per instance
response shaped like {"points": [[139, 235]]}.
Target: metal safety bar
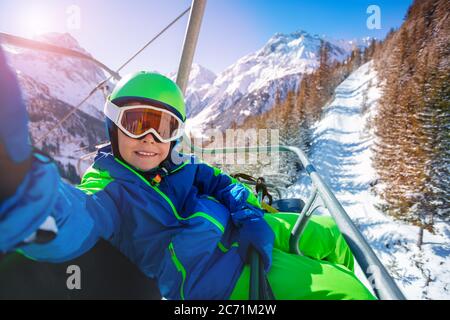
{"points": [[260, 288], [382, 283], [313, 203]]}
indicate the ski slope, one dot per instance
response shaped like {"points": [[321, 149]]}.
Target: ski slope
{"points": [[342, 153]]}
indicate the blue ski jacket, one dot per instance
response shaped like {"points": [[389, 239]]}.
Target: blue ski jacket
{"points": [[180, 230]]}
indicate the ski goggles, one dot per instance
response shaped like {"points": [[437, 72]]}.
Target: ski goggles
{"points": [[139, 120]]}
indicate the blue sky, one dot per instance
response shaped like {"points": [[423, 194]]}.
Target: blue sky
{"points": [[112, 30]]}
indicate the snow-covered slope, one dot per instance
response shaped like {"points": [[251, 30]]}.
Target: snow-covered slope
{"points": [[342, 153], [251, 84]]}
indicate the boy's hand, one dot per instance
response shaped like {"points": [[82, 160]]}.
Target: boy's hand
{"points": [[255, 232], [15, 150], [13, 115]]}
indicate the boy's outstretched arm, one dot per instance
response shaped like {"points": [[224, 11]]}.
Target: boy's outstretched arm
{"points": [[33, 198], [15, 151]]}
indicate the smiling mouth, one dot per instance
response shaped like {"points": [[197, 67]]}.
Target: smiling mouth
{"points": [[144, 154]]}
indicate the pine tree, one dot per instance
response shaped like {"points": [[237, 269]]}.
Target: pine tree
{"points": [[412, 125]]}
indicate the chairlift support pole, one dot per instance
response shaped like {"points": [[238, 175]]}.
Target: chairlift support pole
{"points": [[190, 43]]}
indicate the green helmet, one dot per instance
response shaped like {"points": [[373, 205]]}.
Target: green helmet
{"points": [[146, 87], [149, 86]]}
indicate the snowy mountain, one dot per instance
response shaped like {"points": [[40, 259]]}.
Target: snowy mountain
{"points": [[200, 80], [342, 152], [251, 84], [52, 84]]}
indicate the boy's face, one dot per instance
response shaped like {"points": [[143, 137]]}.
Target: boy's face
{"points": [[144, 153]]}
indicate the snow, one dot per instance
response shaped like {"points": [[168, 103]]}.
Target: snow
{"points": [[342, 154]]}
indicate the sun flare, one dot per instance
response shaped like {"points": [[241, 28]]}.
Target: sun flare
{"points": [[36, 21]]}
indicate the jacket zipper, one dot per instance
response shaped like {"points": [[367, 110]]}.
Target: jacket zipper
{"points": [[179, 267]]}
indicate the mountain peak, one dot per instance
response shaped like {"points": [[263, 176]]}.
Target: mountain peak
{"points": [[282, 43], [201, 74], [292, 35], [198, 76]]}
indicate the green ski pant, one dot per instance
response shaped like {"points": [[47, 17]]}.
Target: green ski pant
{"points": [[323, 272]]}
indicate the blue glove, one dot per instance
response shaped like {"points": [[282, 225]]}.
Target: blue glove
{"points": [[246, 212], [235, 197], [254, 231], [13, 115]]}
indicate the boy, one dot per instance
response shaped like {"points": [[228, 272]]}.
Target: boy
{"points": [[185, 223]]}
